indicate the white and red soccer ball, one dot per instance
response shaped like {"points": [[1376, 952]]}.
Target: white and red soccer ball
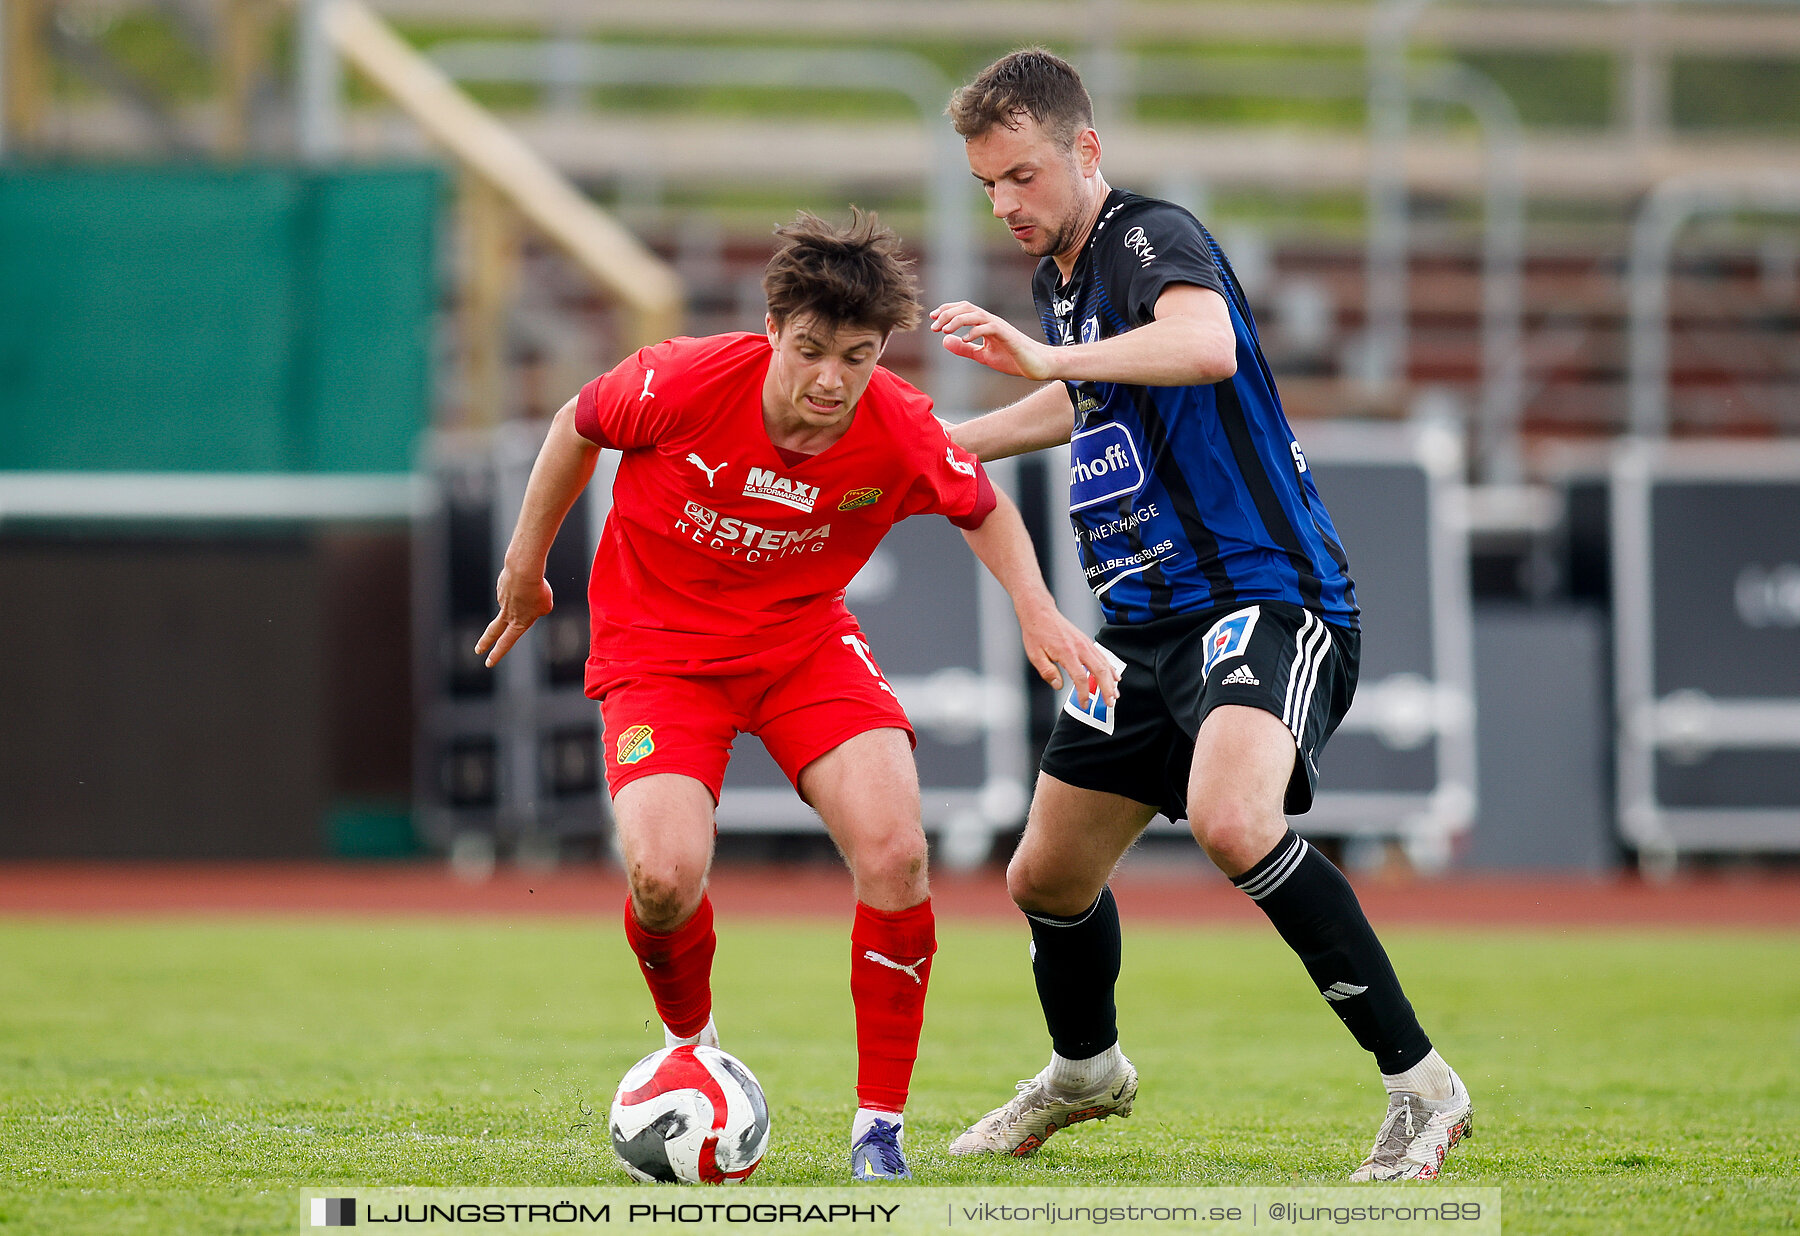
{"points": [[690, 1114]]}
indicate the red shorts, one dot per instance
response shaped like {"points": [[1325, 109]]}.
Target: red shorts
{"points": [[802, 698]]}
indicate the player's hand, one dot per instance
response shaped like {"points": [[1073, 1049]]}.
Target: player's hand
{"points": [[1055, 644], [975, 334], [523, 601]]}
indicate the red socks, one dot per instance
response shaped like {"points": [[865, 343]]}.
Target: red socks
{"points": [[890, 968], [678, 967]]}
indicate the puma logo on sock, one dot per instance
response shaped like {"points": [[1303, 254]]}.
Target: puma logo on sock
{"points": [[911, 971]]}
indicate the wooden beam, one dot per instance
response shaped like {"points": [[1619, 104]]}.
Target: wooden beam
{"points": [[243, 56], [490, 151], [1763, 31], [490, 280], [895, 154], [26, 71]]}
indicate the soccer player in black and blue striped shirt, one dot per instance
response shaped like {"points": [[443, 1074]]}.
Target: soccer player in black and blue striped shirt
{"points": [[1227, 597]]}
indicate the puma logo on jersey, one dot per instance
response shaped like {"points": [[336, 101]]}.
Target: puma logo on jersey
{"points": [[701, 464], [911, 971], [647, 393], [765, 484], [967, 469]]}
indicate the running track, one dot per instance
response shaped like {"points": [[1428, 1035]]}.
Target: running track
{"points": [[1190, 894]]}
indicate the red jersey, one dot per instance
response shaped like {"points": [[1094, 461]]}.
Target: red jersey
{"points": [[716, 546]]}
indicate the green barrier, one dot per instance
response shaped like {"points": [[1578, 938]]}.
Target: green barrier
{"points": [[374, 829], [254, 319]]}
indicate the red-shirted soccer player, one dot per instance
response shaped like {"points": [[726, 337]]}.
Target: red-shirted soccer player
{"points": [[758, 475]]}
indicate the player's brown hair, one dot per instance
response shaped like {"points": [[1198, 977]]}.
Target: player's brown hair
{"points": [[842, 276], [1030, 82]]}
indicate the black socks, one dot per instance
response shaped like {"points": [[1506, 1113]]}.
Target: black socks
{"points": [[1075, 960], [1314, 908], [1076, 964]]}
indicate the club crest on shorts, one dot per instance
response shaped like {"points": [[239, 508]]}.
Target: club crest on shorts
{"points": [[1096, 714], [1229, 637], [635, 743]]}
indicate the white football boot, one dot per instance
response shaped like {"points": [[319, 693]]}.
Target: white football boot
{"points": [[1038, 1110], [1417, 1133]]}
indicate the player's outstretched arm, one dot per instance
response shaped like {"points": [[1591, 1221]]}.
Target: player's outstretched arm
{"points": [[1190, 342], [562, 471], [1043, 418], [973, 333], [1052, 643]]}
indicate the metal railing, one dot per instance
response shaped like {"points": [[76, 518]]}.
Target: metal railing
{"points": [[951, 271], [1670, 207]]}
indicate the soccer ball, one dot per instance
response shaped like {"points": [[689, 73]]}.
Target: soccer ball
{"points": [[690, 1114]]}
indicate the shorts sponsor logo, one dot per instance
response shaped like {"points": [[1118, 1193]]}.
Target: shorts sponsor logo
{"points": [[1097, 714], [856, 499], [1103, 465], [1229, 637], [1241, 676], [765, 484], [635, 743]]}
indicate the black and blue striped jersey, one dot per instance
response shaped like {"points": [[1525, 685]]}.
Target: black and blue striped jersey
{"points": [[1183, 498]]}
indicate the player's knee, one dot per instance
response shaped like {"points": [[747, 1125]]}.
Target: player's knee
{"points": [[1037, 887], [662, 901], [1022, 883], [1234, 834], [896, 859]]}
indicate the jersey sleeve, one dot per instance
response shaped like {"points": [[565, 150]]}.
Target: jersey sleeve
{"points": [[985, 502], [948, 481], [1151, 249], [619, 409]]}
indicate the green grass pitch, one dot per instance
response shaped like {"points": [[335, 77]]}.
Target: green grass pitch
{"points": [[190, 1075]]}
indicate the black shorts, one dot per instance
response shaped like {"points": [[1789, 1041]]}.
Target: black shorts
{"points": [[1283, 659]]}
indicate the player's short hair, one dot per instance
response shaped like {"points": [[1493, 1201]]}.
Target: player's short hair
{"points": [[1030, 82], [842, 276]]}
